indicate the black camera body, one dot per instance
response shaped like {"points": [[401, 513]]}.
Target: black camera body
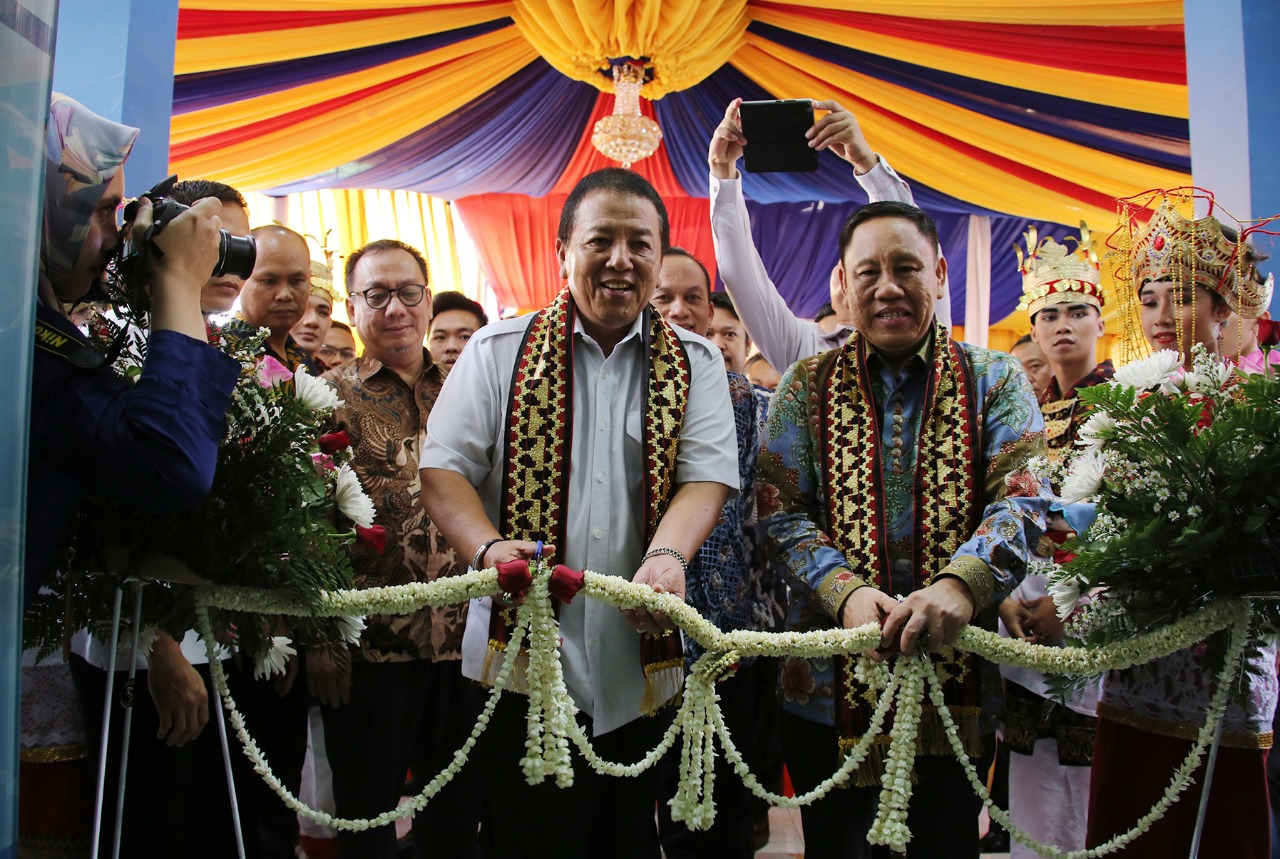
{"points": [[236, 254]]}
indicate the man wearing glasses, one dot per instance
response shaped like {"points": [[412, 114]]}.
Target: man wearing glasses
{"points": [[398, 700]]}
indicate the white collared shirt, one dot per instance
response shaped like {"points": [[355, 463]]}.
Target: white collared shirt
{"points": [[465, 433]]}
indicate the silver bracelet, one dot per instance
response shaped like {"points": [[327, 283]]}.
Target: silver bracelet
{"points": [[478, 559], [664, 550]]}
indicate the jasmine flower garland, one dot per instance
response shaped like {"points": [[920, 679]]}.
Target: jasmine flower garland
{"points": [[551, 712]]}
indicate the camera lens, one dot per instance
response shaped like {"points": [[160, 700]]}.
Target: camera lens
{"points": [[236, 255]]}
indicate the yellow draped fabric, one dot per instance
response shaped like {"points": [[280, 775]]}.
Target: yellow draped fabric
{"points": [[342, 221], [1145, 96], [684, 40], [272, 46], [1114, 12], [789, 74], [319, 143]]}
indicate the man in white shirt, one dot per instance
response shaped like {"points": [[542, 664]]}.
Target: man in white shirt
{"points": [[585, 411], [780, 336]]}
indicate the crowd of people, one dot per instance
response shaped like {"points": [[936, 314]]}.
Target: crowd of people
{"points": [[777, 473]]}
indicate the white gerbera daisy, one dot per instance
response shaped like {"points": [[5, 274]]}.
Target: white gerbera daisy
{"points": [[350, 627], [1065, 593], [352, 501], [273, 662], [1085, 476], [1149, 372], [315, 394], [1093, 432]]}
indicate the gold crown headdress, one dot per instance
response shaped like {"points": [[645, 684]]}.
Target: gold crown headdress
{"points": [[322, 281], [1054, 274], [1185, 251]]}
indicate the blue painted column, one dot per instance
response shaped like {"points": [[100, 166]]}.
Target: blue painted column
{"points": [[116, 58], [26, 43], [1233, 68]]}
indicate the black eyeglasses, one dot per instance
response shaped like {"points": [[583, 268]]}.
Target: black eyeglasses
{"points": [[379, 297]]}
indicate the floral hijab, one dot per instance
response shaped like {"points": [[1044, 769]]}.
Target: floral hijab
{"points": [[83, 152]]}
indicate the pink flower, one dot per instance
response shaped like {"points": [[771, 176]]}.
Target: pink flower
{"points": [[323, 462], [1022, 484], [1256, 364], [271, 373]]}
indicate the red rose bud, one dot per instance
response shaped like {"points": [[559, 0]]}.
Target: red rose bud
{"points": [[333, 442], [565, 583], [1063, 557], [373, 538], [513, 576], [1268, 333]]}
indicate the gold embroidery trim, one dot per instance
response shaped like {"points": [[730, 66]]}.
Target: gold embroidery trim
{"points": [[1181, 730]]}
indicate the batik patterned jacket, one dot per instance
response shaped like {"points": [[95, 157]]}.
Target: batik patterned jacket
{"points": [[793, 509], [386, 421]]}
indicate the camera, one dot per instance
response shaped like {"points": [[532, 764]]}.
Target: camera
{"points": [[236, 254]]}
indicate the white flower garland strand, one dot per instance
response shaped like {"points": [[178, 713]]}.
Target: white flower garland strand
{"points": [[552, 723], [263, 768], [1182, 777]]}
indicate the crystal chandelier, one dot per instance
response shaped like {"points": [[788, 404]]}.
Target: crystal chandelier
{"points": [[626, 136]]}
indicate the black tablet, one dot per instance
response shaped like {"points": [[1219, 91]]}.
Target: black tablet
{"points": [[775, 136]]}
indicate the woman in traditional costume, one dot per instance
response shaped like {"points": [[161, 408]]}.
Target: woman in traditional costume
{"points": [[1187, 276]]}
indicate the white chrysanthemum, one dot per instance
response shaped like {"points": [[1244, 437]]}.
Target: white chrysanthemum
{"points": [[350, 627], [315, 394], [274, 660], [1091, 433], [1065, 593], [1149, 372], [352, 501], [1085, 476]]}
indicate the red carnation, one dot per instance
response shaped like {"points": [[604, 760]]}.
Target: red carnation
{"points": [[333, 442], [374, 537], [1062, 556]]}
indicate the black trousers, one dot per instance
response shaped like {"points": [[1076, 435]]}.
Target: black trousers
{"points": [[733, 833], [279, 726], [943, 814], [176, 801], [405, 715], [599, 816]]}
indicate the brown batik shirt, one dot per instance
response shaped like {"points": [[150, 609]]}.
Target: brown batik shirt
{"points": [[386, 423]]}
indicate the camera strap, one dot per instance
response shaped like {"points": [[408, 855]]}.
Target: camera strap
{"points": [[68, 348]]}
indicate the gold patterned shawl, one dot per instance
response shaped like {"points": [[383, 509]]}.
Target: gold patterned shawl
{"points": [[538, 442], [948, 507]]}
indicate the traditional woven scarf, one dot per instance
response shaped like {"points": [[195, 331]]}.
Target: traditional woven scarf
{"points": [[947, 489], [539, 439]]}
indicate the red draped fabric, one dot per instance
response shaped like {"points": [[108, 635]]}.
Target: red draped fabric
{"points": [[515, 236]]}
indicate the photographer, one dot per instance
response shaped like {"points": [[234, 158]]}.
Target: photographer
{"points": [[151, 444]]}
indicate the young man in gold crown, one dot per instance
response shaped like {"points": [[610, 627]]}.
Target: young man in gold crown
{"points": [[1062, 295], [1052, 739]]}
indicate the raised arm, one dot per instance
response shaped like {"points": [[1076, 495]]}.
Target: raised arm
{"points": [[781, 336]]}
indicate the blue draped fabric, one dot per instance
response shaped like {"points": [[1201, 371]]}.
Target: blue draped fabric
{"points": [[210, 89], [460, 156], [1160, 140]]}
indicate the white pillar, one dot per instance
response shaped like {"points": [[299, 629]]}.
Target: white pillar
{"points": [[977, 298]]}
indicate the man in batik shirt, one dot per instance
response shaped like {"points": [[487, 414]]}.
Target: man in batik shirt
{"points": [[400, 701], [895, 465]]}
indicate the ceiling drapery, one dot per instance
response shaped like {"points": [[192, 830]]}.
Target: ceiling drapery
{"points": [[985, 106]]}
